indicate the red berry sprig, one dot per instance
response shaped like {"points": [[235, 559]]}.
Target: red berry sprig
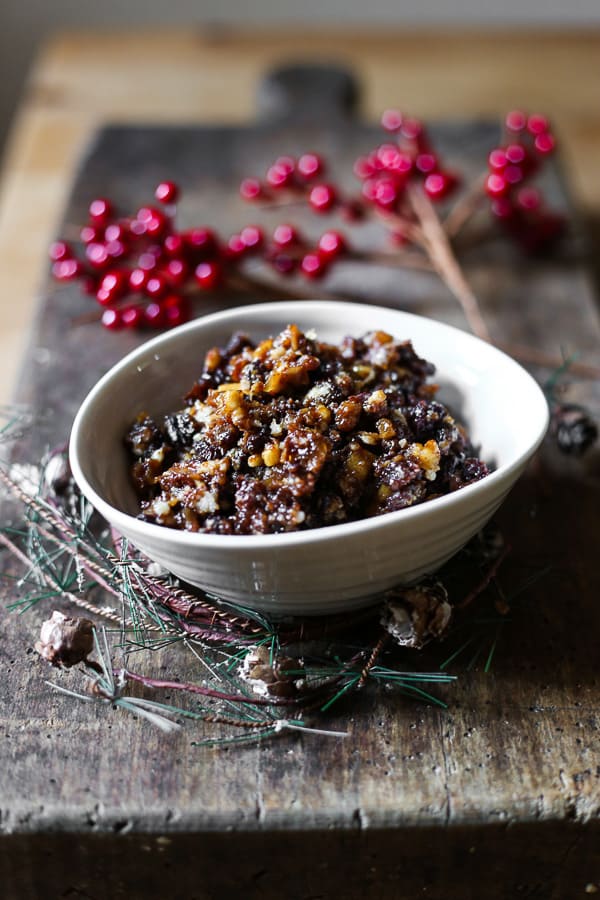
{"points": [[143, 271], [515, 203]]}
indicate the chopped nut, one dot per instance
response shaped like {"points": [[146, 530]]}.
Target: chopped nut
{"points": [[376, 403], [428, 456], [271, 454]]}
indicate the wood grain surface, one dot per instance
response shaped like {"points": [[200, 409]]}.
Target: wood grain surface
{"points": [[497, 796]]}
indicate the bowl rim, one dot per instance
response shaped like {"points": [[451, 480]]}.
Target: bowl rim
{"points": [[324, 533]]}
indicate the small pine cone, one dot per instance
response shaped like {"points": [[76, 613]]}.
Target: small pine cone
{"points": [[64, 642], [574, 429], [277, 678], [418, 614]]}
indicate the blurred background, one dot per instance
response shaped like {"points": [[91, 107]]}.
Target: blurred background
{"points": [[25, 23]]}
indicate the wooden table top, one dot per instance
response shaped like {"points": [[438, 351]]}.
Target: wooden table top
{"points": [[84, 79], [502, 786]]}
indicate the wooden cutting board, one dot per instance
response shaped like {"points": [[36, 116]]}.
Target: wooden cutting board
{"points": [[497, 796]]}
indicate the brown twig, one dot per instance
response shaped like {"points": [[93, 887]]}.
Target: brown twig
{"points": [[444, 261], [375, 654], [465, 207], [547, 360], [191, 688]]}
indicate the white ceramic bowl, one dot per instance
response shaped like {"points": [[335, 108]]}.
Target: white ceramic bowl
{"points": [[322, 570]]}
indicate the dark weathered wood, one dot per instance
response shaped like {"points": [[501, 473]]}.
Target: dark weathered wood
{"points": [[497, 796]]}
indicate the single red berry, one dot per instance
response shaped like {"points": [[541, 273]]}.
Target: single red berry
{"points": [[332, 244], [513, 174], [388, 155], [412, 129], [67, 269], [132, 316], [394, 160], [363, 167], [173, 244], [386, 193], [167, 192], [375, 162], [251, 189], [115, 283], [285, 236], [137, 228], [310, 165], [177, 271], [89, 234], [515, 154], [313, 265], [200, 242], [529, 199], [279, 176], [497, 160], [97, 255], [138, 279], [438, 185], [145, 213], [516, 121], [147, 260], [235, 247], [207, 275], [322, 198], [111, 319], [104, 297], [283, 263], [537, 124], [426, 163], [60, 250], [391, 120], [544, 143], [155, 286], [369, 189], [116, 249], [252, 237], [176, 310], [100, 210], [154, 220], [154, 316], [287, 163], [496, 185], [115, 232]]}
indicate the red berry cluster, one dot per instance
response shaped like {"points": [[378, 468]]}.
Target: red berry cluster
{"points": [[387, 170], [134, 266], [140, 269], [517, 205], [385, 173]]}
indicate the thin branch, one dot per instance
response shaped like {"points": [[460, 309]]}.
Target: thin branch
{"points": [[442, 256]]}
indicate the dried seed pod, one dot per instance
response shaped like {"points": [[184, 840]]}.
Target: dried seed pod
{"points": [[574, 429], [64, 642], [418, 614], [57, 475], [277, 677]]}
